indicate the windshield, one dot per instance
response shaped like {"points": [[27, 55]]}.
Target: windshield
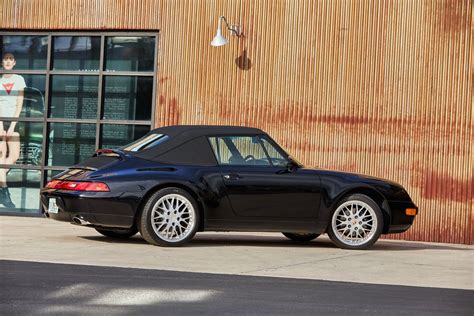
{"points": [[147, 141]]}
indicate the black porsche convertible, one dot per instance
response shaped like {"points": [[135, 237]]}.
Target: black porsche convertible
{"points": [[178, 180]]}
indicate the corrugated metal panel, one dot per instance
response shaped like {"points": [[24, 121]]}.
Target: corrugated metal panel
{"points": [[376, 87]]}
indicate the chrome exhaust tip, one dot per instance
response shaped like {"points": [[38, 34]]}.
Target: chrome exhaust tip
{"points": [[80, 221]]}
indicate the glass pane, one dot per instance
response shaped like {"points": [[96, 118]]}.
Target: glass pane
{"points": [[70, 143], [22, 191], [30, 148], [131, 53], [220, 149], [127, 98], [33, 101], [31, 87], [243, 150], [29, 52], [25, 145], [275, 156], [76, 53], [114, 136], [74, 96], [12, 91]]}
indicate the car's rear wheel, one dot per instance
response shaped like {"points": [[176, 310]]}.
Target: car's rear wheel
{"points": [[356, 223], [170, 217], [301, 236], [118, 233]]}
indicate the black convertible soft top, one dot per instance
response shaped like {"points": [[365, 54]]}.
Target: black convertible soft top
{"points": [[192, 131], [188, 143], [184, 144]]}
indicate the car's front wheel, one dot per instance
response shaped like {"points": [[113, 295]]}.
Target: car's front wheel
{"points": [[302, 237], [356, 223], [170, 217], [117, 233]]}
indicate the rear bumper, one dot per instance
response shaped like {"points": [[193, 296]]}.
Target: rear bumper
{"points": [[399, 221], [99, 209]]}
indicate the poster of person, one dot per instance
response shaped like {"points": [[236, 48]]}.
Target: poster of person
{"points": [[22, 123], [12, 88]]}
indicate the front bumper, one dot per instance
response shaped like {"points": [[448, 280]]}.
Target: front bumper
{"points": [[399, 220], [99, 209]]}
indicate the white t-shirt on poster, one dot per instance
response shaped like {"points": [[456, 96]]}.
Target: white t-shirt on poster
{"points": [[9, 90]]}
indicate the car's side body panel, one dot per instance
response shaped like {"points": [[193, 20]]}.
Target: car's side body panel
{"points": [[272, 192], [205, 183]]}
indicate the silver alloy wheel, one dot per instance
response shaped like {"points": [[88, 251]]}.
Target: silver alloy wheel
{"points": [[354, 223], [173, 218]]}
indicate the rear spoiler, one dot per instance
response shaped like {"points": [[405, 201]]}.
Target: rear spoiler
{"points": [[101, 158]]}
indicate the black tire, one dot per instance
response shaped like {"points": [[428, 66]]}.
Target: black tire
{"points": [[375, 214], [118, 233], [149, 232], [301, 237]]}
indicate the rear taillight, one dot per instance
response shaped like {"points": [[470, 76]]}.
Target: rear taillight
{"points": [[78, 186]]}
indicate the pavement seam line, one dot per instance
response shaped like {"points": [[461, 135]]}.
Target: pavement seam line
{"points": [[301, 263]]}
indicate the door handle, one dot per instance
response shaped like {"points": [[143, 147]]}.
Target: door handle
{"points": [[232, 176]]}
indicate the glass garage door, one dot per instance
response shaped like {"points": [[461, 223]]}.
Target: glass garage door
{"points": [[63, 96]]}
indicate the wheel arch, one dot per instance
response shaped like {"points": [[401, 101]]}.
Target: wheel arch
{"points": [[160, 186], [375, 195]]}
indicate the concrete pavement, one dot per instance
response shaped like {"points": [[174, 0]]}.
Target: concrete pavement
{"points": [[258, 254]]}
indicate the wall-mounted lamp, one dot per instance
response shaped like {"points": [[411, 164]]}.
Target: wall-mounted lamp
{"points": [[220, 40]]}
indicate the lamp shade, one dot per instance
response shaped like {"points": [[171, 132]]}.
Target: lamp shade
{"points": [[219, 40]]}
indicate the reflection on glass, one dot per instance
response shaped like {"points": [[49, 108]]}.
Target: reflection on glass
{"points": [[22, 193], [74, 96], [76, 53], [114, 136], [33, 102], [127, 98], [30, 51], [31, 143], [70, 143], [131, 53]]}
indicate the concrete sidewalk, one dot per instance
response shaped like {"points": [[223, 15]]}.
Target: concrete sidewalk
{"points": [[260, 254]]}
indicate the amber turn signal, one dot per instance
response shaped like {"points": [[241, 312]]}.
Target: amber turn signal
{"points": [[411, 211]]}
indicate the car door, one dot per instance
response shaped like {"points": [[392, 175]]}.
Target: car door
{"points": [[258, 181]]}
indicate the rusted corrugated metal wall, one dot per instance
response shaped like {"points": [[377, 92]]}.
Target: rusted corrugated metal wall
{"points": [[377, 87]]}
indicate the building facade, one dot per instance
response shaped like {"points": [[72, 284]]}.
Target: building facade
{"points": [[376, 87]]}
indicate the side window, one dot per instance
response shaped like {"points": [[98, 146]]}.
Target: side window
{"points": [[239, 150], [275, 156], [220, 149]]}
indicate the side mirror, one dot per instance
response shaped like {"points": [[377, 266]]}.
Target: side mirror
{"points": [[291, 166]]}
